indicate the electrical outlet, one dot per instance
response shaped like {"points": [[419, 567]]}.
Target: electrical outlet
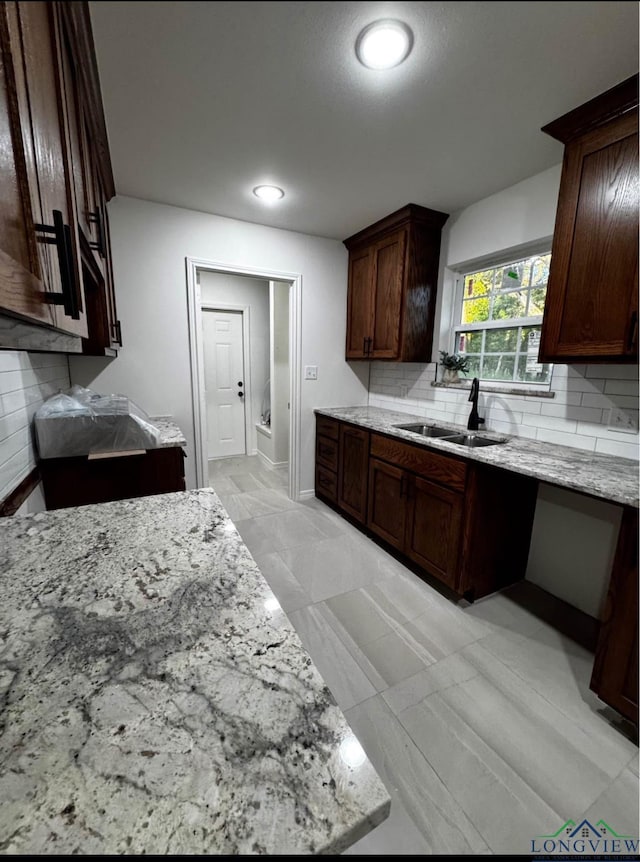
{"points": [[623, 420], [311, 372], [404, 390]]}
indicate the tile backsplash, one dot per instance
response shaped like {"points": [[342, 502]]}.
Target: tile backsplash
{"points": [[26, 380], [586, 396]]}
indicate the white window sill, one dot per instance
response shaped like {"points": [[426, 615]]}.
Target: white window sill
{"points": [[503, 388]]}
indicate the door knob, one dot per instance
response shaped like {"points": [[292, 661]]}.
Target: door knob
{"points": [[239, 382], [240, 394]]}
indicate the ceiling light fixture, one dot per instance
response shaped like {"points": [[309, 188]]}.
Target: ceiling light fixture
{"points": [[384, 44], [268, 193]]}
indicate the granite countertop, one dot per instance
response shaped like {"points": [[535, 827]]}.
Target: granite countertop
{"points": [[604, 476], [156, 698], [171, 435]]}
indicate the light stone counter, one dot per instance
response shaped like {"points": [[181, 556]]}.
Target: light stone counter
{"points": [[157, 700], [171, 435], [604, 476]]}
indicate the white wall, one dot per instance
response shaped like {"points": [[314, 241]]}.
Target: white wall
{"points": [[514, 219], [280, 370], [150, 243], [253, 293], [26, 380]]}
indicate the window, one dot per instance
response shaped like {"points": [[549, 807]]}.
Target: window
{"points": [[500, 315]]}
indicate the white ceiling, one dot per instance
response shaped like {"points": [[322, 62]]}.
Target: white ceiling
{"points": [[205, 100]]}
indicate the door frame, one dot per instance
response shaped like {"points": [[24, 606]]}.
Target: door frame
{"points": [[245, 311], [194, 311]]}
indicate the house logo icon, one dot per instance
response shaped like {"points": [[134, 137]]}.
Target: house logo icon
{"points": [[585, 838]]}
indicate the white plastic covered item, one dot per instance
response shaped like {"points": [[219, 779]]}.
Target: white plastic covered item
{"points": [[81, 422]]}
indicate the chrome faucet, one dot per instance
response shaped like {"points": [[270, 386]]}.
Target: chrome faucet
{"points": [[474, 420]]}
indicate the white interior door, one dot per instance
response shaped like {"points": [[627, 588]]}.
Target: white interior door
{"points": [[224, 382]]}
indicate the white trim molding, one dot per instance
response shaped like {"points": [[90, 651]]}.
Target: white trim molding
{"points": [[194, 305], [268, 463]]}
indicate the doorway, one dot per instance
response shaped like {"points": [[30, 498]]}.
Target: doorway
{"points": [[271, 387], [224, 373]]}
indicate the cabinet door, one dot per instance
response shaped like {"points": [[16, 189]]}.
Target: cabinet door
{"points": [[353, 471], [615, 671], [388, 278], [21, 284], [34, 45], [434, 529], [387, 502], [592, 303], [360, 304]]}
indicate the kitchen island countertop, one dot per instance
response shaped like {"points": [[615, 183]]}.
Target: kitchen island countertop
{"points": [[157, 699], [604, 476]]}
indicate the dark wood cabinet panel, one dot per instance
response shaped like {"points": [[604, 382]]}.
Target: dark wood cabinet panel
{"points": [[388, 267], [327, 452], [387, 510], [443, 469], [393, 275], [615, 671], [591, 311], [55, 175], [21, 285], [81, 481], [434, 528], [327, 427], [326, 484], [34, 44], [353, 471], [360, 304]]}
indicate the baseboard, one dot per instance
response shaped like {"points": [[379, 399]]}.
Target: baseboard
{"points": [[306, 495], [268, 463]]}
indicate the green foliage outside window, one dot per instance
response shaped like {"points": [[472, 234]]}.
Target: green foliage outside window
{"points": [[509, 293]]}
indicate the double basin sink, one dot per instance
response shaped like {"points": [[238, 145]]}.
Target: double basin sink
{"points": [[471, 440]]}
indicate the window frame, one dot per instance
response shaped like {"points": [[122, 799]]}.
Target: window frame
{"points": [[497, 262]]}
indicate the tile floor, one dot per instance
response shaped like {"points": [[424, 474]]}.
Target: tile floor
{"points": [[478, 718]]}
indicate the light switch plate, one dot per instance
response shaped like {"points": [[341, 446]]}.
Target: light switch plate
{"points": [[311, 372]]}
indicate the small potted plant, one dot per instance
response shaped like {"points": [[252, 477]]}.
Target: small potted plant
{"points": [[452, 365]]}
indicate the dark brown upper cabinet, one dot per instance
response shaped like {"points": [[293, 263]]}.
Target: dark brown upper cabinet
{"points": [[393, 276], [591, 310], [55, 175]]}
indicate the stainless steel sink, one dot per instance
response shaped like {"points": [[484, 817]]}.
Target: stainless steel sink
{"points": [[472, 440], [427, 430]]}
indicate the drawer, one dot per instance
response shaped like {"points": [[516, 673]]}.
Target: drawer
{"points": [[326, 483], [327, 427], [327, 452], [433, 466]]}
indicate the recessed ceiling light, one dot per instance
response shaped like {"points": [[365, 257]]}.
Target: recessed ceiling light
{"points": [[268, 193], [384, 44]]}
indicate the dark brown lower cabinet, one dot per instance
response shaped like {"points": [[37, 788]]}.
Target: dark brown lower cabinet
{"points": [[615, 671], [353, 461], [81, 481], [434, 528], [463, 523], [387, 511]]}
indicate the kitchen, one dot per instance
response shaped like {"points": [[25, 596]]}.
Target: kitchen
{"points": [[353, 604]]}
